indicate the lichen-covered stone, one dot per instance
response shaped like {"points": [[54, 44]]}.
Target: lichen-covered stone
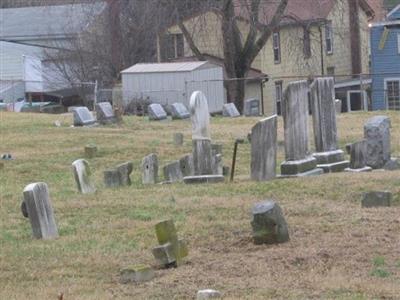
{"points": [[178, 139], [139, 273], [377, 136], [90, 151], [187, 165], [82, 175], [150, 169], [83, 117], [376, 199], [105, 113]]}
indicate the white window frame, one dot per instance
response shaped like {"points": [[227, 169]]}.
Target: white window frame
{"points": [[276, 45], [278, 100], [329, 36], [364, 99], [386, 80]]}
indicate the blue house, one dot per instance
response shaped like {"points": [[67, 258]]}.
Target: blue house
{"points": [[385, 62]]}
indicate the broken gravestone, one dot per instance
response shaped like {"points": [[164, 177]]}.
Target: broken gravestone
{"points": [[82, 175], [338, 106], [263, 149], [208, 294], [179, 111], [172, 172], [186, 165], [90, 150], [178, 139], [156, 112], [230, 110], [392, 165], [118, 176], [171, 250], [328, 156], [105, 113], [269, 225], [377, 135], [140, 273], [358, 157], [251, 107], [150, 169], [83, 117], [37, 207], [376, 199]]}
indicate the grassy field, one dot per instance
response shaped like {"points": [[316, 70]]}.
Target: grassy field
{"points": [[337, 250]]}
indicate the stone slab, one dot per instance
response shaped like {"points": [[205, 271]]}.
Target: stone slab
{"points": [[140, 273], [376, 199], [179, 111], [208, 294], [334, 167], [83, 117], [105, 113], [230, 110], [83, 176], [203, 179], [313, 172], [329, 156], [377, 136], [298, 166], [156, 112], [359, 170], [251, 108]]}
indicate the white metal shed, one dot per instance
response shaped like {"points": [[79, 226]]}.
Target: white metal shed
{"points": [[167, 83]]}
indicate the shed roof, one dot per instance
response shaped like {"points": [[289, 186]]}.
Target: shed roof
{"points": [[45, 21], [165, 67]]}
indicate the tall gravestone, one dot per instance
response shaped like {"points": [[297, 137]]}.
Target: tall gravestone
{"points": [[83, 117], [329, 157], [150, 169], [38, 208], [82, 175], [105, 113], [201, 139], [377, 135], [358, 157], [295, 116], [263, 149]]}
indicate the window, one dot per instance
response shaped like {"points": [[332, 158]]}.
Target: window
{"points": [[278, 97], [393, 94], [172, 46], [328, 38], [306, 43], [180, 45], [277, 47], [330, 70]]}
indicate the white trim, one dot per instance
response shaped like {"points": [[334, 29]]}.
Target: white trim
{"points": [[398, 43], [364, 104], [352, 83], [385, 87], [396, 22], [393, 11]]}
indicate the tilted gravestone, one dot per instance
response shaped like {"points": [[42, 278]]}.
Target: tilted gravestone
{"points": [[358, 157], [263, 149], [295, 116], [186, 165], [179, 111], [230, 110], [150, 169], [105, 113], [172, 172], [377, 135], [329, 157], [82, 175], [269, 225], [251, 107], [83, 117], [171, 250], [39, 210], [376, 199], [119, 176], [156, 112]]}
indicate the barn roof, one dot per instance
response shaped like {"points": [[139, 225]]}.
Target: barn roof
{"points": [[165, 67]]}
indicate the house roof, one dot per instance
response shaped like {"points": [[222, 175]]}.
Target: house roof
{"points": [[394, 12], [38, 22], [165, 67]]}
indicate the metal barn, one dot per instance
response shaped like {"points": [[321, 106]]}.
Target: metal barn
{"points": [[167, 83]]}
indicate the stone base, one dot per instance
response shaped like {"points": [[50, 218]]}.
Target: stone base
{"points": [[313, 172], [365, 169], [329, 157], [294, 167], [203, 179], [334, 167]]}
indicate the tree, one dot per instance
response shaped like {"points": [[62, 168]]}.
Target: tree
{"points": [[239, 49]]}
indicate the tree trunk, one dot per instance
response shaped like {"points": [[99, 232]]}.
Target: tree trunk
{"points": [[235, 93]]}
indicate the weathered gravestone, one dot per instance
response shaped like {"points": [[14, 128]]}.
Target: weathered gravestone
{"points": [[83, 117], [38, 209], [156, 112], [105, 113], [230, 110], [178, 139], [251, 107], [358, 157], [172, 172], [392, 165], [376, 199], [118, 176], [150, 169], [179, 111], [269, 225], [82, 175], [295, 116], [90, 151], [329, 157], [203, 179], [208, 294], [140, 273], [216, 159], [377, 135], [263, 149], [186, 165], [338, 106], [171, 250]]}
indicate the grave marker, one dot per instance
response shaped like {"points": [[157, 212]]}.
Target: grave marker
{"points": [[82, 175], [83, 117], [156, 112], [377, 135], [230, 110], [172, 172], [105, 113], [358, 157], [150, 169], [251, 107], [179, 111]]}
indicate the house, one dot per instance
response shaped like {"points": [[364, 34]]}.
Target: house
{"points": [[329, 37], [385, 57], [26, 35]]}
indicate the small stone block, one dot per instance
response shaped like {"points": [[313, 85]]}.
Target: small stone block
{"points": [[329, 157], [334, 167], [165, 255], [203, 179], [376, 199], [137, 274], [156, 112], [298, 166], [360, 170], [111, 178], [90, 151], [178, 139], [208, 294], [172, 172]]}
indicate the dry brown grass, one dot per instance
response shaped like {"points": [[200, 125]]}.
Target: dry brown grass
{"points": [[335, 252]]}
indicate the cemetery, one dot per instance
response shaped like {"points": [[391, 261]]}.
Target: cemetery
{"points": [[143, 207]]}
